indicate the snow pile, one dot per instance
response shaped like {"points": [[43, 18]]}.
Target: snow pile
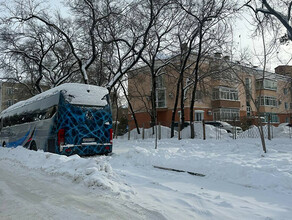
{"points": [[241, 182], [92, 172], [148, 133], [282, 131], [211, 132], [238, 162]]}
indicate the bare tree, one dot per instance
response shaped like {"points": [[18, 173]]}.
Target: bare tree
{"points": [[155, 54], [211, 17], [78, 34], [138, 18], [185, 41], [280, 10], [33, 54], [274, 13]]}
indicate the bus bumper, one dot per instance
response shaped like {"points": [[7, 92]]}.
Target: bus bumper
{"points": [[86, 150]]}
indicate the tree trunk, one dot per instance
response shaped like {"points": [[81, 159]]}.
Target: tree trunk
{"points": [[153, 103], [196, 73], [175, 108], [262, 136], [117, 116], [131, 109], [182, 106]]}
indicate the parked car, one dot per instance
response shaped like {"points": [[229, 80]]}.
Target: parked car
{"points": [[224, 125], [285, 124], [176, 124]]}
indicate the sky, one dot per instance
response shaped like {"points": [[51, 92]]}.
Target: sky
{"points": [[244, 39]]}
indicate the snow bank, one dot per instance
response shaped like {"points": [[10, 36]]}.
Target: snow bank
{"points": [[282, 131], [241, 181], [92, 171], [148, 133], [239, 162], [211, 132]]}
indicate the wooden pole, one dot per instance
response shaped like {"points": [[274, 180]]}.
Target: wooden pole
{"points": [[204, 130], [159, 131], [179, 126], [143, 132], [234, 129], [269, 127]]}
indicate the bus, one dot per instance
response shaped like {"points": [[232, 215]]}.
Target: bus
{"points": [[69, 119]]}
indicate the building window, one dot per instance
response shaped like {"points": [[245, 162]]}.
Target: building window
{"points": [[159, 82], [268, 101], [160, 98], [268, 84], [286, 105], [224, 93], [226, 114], [9, 90], [285, 91], [9, 103], [273, 117], [287, 119], [199, 115], [248, 87], [248, 109], [198, 95]]}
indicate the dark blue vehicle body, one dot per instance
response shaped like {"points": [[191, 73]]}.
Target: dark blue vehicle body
{"points": [[59, 122]]}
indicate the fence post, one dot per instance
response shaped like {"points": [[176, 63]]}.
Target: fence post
{"points": [[179, 126], [129, 133], [269, 127], [234, 129], [159, 131], [143, 132], [204, 130]]}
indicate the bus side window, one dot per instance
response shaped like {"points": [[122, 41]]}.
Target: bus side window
{"points": [[5, 122], [1, 124], [50, 112]]}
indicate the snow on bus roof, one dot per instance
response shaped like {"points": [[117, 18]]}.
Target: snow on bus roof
{"points": [[74, 93]]}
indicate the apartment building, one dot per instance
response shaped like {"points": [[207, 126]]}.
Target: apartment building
{"points": [[226, 91], [11, 93]]}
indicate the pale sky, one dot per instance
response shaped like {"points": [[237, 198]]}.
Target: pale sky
{"points": [[243, 38]]}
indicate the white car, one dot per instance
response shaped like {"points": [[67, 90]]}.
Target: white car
{"points": [[224, 125], [229, 128]]}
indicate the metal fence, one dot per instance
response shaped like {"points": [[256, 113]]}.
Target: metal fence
{"points": [[203, 131]]}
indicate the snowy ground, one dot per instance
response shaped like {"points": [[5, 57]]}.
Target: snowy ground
{"points": [[241, 182]]}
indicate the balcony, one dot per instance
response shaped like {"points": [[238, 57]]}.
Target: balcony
{"points": [[225, 104]]}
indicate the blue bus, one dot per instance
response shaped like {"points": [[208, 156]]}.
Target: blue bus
{"points": [[69, 119]]}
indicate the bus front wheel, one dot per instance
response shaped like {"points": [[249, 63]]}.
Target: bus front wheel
{"points": [[33, 146], [4, 144]]}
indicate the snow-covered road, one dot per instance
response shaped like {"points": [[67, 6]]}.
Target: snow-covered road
{"points": [[241, 182], [29, 194]]}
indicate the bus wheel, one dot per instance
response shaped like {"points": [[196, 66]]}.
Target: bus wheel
{"points": [[33, 146], [4, 144]]}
